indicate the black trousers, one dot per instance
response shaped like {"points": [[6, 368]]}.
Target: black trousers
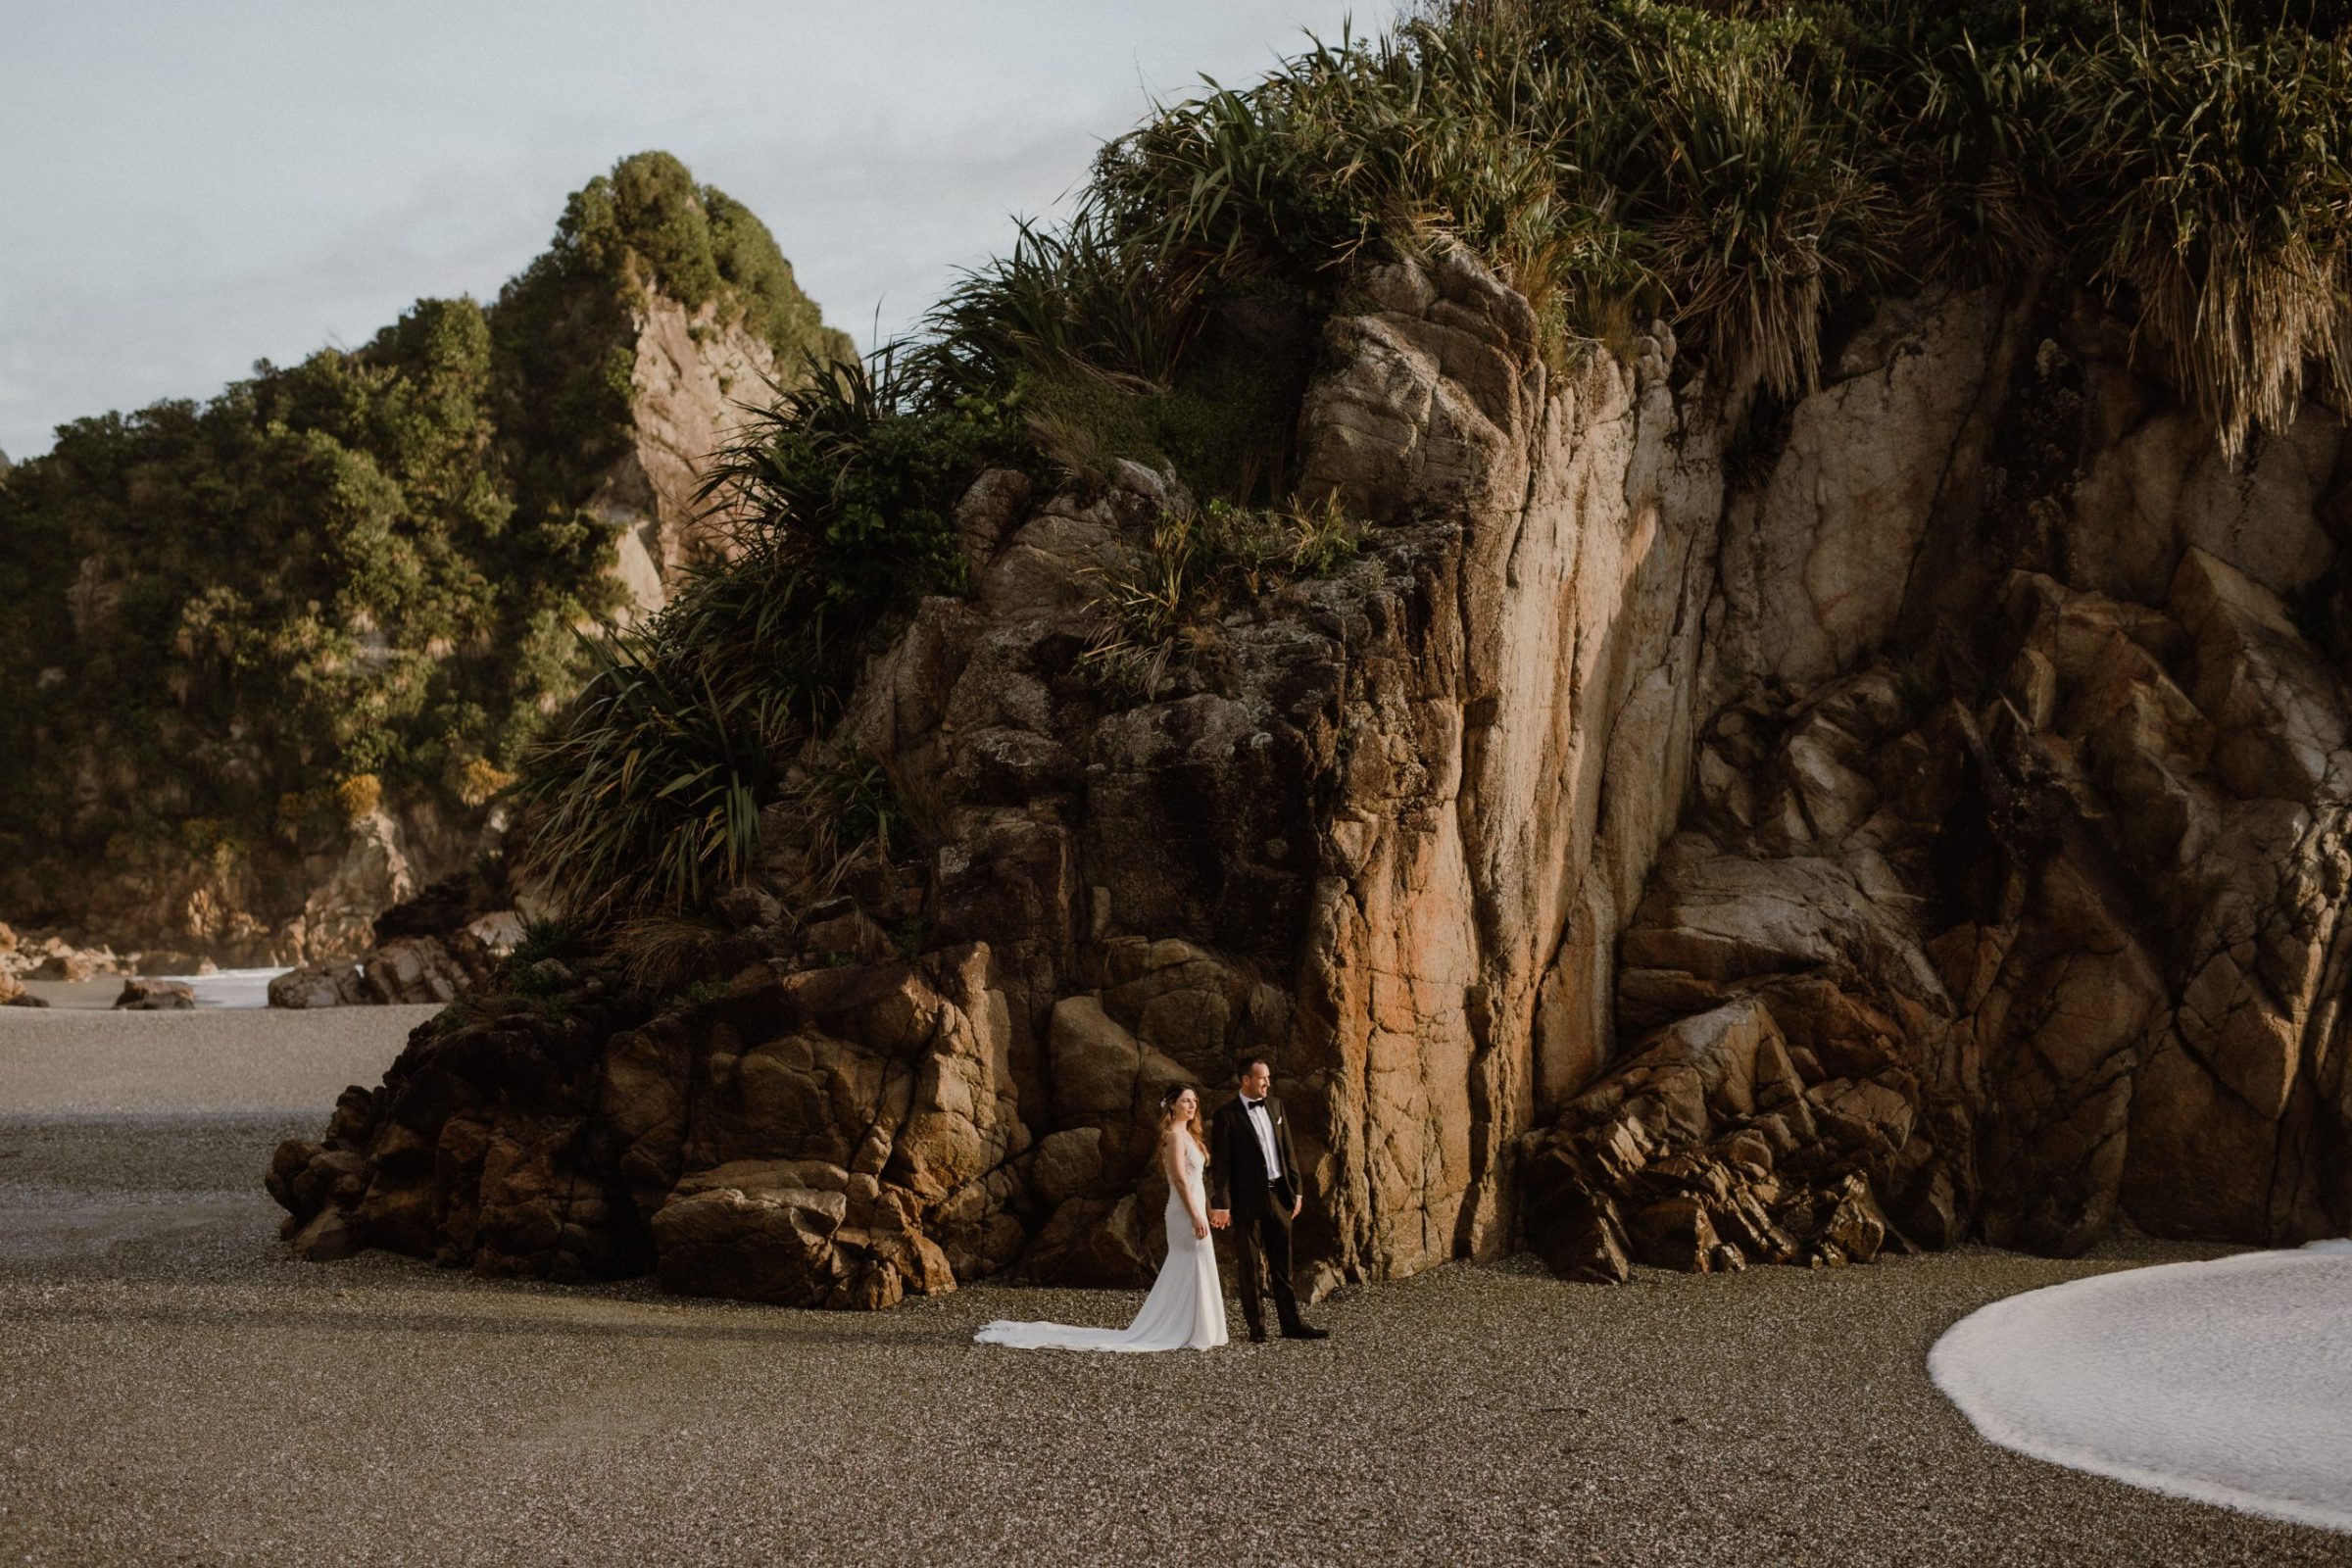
{"points": [[1262, 1248]]}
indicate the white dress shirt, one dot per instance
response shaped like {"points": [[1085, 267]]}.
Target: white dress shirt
{"points": [[1263, 1124]]}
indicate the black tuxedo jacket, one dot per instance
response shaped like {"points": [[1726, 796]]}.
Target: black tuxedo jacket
{"points": [[1236, 1165]]}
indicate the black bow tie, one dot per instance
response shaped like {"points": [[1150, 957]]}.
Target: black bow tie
{"points": [[1255, 1105]]}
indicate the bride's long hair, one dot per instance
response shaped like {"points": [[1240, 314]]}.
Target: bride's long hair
{"points": [[1169, 1100]]}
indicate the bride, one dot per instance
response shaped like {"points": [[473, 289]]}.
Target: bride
{"points": [[1186, 1309]]}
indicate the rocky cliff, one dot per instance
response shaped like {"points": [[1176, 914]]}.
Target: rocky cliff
{"points": [[1854, 763], [1691, 829], [269, 659]]}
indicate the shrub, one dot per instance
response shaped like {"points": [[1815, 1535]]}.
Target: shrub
{"points": [[2218, 166], [850, 480], [358, 795], [1194, 567], [646, 795], [478, 780], [1737, 167]]}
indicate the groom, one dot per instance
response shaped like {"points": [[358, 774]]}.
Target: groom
{"points": [[1253, 1184]]}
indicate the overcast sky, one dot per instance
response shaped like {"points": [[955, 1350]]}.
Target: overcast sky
{"points": [[185, 188]]}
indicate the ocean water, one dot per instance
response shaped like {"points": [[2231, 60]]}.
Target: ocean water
{"points": [[230, 988], [2228, 1382]]}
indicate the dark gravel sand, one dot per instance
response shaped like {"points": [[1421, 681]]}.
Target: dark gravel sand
{"points": [[173, 1389]]}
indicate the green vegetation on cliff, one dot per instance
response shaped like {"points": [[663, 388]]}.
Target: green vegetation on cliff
{"points": [[562, 326], [1740, 169], [647, 792], [234, 625], [1745, 170]]}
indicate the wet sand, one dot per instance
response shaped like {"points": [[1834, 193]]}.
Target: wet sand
{"points": [[174, 1390]]}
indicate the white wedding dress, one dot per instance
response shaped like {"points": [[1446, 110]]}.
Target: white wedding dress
{"points": [[1184, 1312]]}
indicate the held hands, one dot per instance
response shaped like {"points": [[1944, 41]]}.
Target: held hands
{"points": [[1220, 1219]]}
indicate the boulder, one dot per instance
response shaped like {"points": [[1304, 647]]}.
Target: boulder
{"points": [[1586, 1241], [67, 966], [1068, 1163], [1674, 1233], [772, 1245], [322, 985], [735, 1178], [142, 994], [1854, 1226]]}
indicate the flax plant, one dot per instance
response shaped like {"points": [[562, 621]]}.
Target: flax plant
{"points": [[647, 797], [1740, 168], [2222, 165]]}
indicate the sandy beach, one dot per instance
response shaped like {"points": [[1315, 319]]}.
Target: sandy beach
{"points": [[174, 1390]]}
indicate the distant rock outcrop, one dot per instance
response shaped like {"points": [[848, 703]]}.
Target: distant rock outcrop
{"points": [[690, 371], [155, 995], [1685, 834], [270, 660], [446, 940], [49, 955]]}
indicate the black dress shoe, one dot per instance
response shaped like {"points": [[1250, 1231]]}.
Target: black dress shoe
{"points": [[1300, 1331], [1258, 1335]]}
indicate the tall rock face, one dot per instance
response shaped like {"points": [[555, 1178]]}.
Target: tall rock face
{"points": [[688, 370], [1693, 830], [1518, 743], [2015, 912], [269, 659]]}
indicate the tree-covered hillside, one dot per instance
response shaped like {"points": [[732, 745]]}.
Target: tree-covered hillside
{"points": [[235, 626]]}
